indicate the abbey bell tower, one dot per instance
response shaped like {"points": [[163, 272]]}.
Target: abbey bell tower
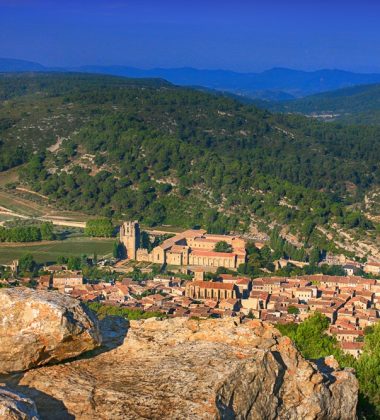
{"points": [[130, 237]]}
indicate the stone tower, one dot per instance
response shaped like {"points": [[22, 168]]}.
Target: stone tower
{"points": [[130, 237]]}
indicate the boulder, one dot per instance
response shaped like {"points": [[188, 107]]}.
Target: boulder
{"points": [[196, 369], [14, 406], [39, 327]]}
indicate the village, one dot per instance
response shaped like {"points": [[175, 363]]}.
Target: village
{"points": [[351, 303]]}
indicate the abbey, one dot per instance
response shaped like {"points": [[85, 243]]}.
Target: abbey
{"points": [[192, 247]]}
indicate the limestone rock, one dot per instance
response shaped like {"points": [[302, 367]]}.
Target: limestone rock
{"points": [[180, 368], [16, 407], [41, 327]]}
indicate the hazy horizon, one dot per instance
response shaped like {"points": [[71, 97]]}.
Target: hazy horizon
{"points": [[246, 36], [105, 65]]}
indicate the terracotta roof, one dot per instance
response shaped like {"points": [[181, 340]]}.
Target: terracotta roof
{"points": [[346, 345], [123, 289], [240, 251], [232, 301], [269, 280], [347, 332], [218, 237], [56, 267], [213, 285], [259, 294], [345, 324], [201, 253], [178, 248], [367, 281], [361, 299], [304, 289], [373, 264], [202, 239], [227, 276], [89, 296], [156, 297]]}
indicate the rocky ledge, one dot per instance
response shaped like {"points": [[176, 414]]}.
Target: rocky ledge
{"points": [[16, 407], [181, 368], [37, 328]]}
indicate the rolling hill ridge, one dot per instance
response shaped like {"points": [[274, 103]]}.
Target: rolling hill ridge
{"points": [[273, 84], [146, 149], [355, 105]]}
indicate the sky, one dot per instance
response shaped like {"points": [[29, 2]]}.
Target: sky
{"points": [[239, 35]]}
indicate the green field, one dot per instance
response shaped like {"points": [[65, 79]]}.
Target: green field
{"points": [[43, 253]]}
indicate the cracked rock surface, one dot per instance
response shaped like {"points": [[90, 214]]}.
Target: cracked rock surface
{"points": [[40, 327], [181, 368], [14, 406]]}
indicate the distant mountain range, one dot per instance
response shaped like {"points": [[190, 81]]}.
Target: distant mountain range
{"points": [[278, 84], [12, 65]]}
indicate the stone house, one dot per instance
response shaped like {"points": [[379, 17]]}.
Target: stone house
{"points": [[210, 290]]}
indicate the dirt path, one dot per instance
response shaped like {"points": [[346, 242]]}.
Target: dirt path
{"points": [[7, 212], [32, 192], [68, 223], [59, 222]]}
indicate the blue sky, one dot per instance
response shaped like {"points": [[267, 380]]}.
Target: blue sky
{"points": [[239, 35]]}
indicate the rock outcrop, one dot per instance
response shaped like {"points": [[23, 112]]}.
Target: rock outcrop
{"points": [[180, 368], [16, 407], [41, 327]]}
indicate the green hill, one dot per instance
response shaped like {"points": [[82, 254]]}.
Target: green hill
{"points": [[355, 105], [150, 150]]}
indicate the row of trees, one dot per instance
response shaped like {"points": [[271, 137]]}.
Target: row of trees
{"points": [[44, 232], [28, 266]]}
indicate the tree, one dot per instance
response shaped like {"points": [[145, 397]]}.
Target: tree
{"points": [[277, 243], [118, 250], [251, 315], [293, 310], [145, 241], [99, 228], [311, 338], [27, 263], [47, 231], [222, 246], [74, 263], [368, 370], [61, 260], [115, 250], [314, 257]]}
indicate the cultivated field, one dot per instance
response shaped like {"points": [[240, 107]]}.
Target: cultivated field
{"points": [[49, 251], [23, 204]]}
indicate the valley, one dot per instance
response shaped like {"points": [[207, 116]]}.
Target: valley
{"points": [[146, 149], [189, 210]]}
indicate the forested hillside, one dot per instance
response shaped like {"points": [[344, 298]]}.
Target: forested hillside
{"points": [[354, 105], [150, 150]]}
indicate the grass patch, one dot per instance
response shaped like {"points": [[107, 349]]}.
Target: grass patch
{"points": [[49, 252], [10, 176]]}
